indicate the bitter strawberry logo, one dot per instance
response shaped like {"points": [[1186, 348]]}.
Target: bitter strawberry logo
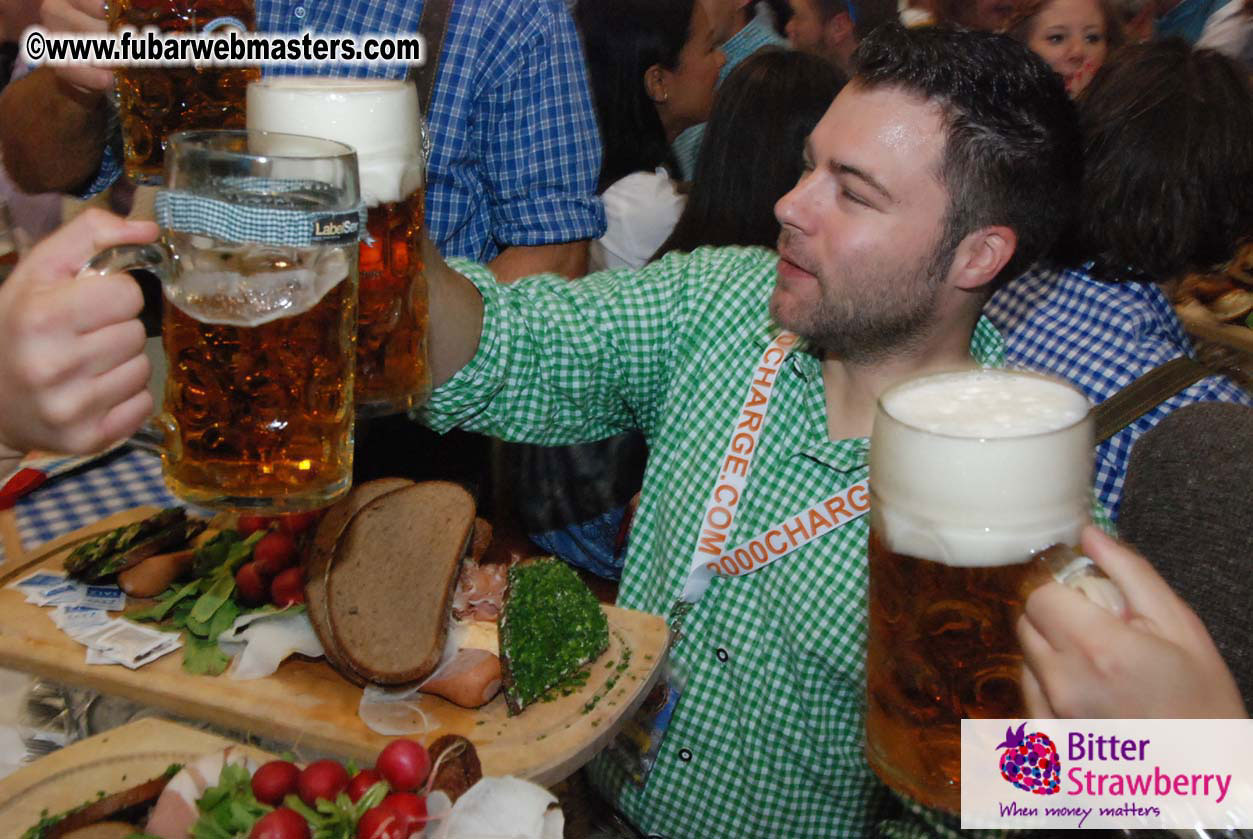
{"points": [[1030, 762]]}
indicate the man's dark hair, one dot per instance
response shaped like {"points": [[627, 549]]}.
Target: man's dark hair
{"points": [[751, 154], [1168, 154], [1011, 152], [622, 39]]}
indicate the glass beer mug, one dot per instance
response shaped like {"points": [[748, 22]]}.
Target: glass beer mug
{"points": [[980, 483], [381, 121], [153, 102], [258, 265]]}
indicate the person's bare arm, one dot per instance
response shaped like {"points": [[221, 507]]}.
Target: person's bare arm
{"points": [[52, 132], [567, 258], [455, 321]]}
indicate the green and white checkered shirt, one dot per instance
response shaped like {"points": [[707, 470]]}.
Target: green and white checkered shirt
{"points": [[767, 738]]}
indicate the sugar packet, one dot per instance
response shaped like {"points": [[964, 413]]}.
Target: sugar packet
{"points": [[89, 636], [70, 619], [128, 644], [68, 593], [38, 581], [130, 641], [37, 585], [109, 598]]}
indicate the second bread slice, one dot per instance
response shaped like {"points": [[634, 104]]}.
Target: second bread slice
{"points": [[391, 583]]}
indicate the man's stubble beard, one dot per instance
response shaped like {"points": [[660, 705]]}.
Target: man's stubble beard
{"points": [[864, 322]]}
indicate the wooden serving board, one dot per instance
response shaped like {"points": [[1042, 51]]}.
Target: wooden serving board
{"points": [[307, 704], [110, 762]]}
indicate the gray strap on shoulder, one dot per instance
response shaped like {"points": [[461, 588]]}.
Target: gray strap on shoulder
{"points": [[433, 27], [1144, 394]]}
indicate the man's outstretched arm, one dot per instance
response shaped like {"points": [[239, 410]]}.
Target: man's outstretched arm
{"points": [[455, 321]]}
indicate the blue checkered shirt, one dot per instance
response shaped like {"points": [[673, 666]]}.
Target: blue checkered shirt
{"points": [[1101, 336], [515, 149]]}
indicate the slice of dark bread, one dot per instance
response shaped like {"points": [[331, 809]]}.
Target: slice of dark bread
{"points": [[322, 553], [390, 586], [551, 625]]}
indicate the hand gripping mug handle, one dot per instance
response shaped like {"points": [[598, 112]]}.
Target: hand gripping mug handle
{"points": [[1074, 570], [120, 259]]}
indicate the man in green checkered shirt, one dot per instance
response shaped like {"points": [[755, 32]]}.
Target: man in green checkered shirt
{"points": [[948, 162]]}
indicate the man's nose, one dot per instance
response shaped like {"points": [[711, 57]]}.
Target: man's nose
{"points": [[787, 210]]}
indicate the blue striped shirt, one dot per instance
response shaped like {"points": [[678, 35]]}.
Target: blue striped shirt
{"points": [[515, 149], [1101, 336]]}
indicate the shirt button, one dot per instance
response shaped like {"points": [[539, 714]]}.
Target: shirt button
{"points": [[685, 755], [300, 12], [722, 655]]}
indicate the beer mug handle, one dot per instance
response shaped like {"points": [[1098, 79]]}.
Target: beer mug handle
{"points": [[122, 258], [1074, 570], [152, 257]]}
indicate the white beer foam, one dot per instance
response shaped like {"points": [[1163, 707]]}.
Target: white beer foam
{"points": [[242, 285], [378, 118], [980, 468]]}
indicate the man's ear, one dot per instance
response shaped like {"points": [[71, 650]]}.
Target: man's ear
{"points": [[655, 83], [838, 29], [981, 256]]}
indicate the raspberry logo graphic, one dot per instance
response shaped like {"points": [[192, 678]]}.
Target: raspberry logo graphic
{"points": [[1030, 762]]}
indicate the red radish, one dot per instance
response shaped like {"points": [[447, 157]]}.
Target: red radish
{"points": [[361, 782], [288, 587], [381, 823], [251, 586], [404, 763], [280, 824], [294, 523], [321, 779], [274, 780], [409, 807], [251, 524], [275, 551]]}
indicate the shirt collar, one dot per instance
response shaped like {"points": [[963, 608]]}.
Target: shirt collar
{"points": [[987, 348]]}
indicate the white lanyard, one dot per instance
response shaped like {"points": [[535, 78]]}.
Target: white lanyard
{"points": [[709, 559]]}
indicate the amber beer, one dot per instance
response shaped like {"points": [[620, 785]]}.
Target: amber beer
{"points": [[380, 119], [258, 404], [978, 482], [259, 317], [153, 102]]}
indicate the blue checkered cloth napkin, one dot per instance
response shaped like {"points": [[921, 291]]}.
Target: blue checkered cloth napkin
{"points": [[271, 211], [124, 479]]}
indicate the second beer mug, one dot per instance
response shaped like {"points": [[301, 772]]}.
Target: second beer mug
{"points": [[380, 120], [980, 483], [154, 102], [257, 261]]}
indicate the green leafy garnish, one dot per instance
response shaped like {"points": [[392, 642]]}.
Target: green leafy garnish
{"points": [[229, 809], [337, 819], [203, 657], [206, 606]]}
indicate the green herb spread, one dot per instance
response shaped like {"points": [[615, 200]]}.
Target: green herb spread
{"points": [[551, 626]]}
